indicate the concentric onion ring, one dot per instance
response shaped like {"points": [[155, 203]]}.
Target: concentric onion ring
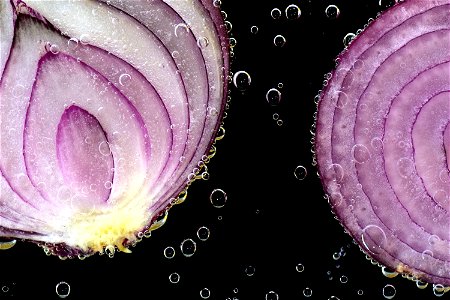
{"points": [[108, 112], [382, 139]]}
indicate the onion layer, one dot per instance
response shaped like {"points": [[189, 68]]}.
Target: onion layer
{"points": [[382, 139], [108, 112]]}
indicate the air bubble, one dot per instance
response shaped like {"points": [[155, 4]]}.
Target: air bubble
{"points": [[254, 29], [332, 11], [343, 279], [272, 296], [54, 49], [384, 4], [125, 78], [389, 291], [360, 153], [203, 233], [249, 270], [307, 292], [181, 29], [293, 12], [202, 42], [348, 38], [300, 267], [421, 284], [388, 273], [333, 298], [217, 3], [405, 166], [300, 172], [273, 97], [275, 13], [360, 292], [373, 238], [169, 252], [242, 80], [174, 277], [188, 247], [279, 40], [218, 198], [62, 289], [84, 39], [438, 290], [205, 293]]}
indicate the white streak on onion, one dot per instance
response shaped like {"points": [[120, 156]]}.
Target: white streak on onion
{"points": [[389, 139]]}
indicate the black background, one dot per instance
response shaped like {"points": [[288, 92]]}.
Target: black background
{"points": [[271, 221]]}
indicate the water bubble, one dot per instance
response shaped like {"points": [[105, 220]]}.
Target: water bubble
{"points": [[202, 42], [438, 290], [62, 289], [203, 233], [169, 252], [254, 29], [275, 13], [124, 79], [343, 279], [293, 12], [348, 38], [205, 293], [242, 80], [307, 292], [249, 270], [300, 172], [181, 29], [384, 4], [218, 198], [332, 11], [279, 40], [273, 97], [188, 247], [54, 49], [360, 153], [174, 277], [389, 291], [272, 296], [300, 267], [405, 166], [373, 238]]}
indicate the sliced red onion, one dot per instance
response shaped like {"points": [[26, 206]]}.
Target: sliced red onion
{"points": [[382, 139], [107, 110]]}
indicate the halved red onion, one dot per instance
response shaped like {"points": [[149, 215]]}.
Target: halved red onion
{"points": [[108, 112], [382, 139]]}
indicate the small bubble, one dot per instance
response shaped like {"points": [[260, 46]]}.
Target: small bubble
{"points": [[343, 279], [360, 153], [275, 13], [360, 292], [232, 42], [181, 29], [205, 293], [275, 116], [332, 11], [217, 3], [421, 284], [242, 80], [54, 49], [300, 267], [336, 255], [307, 292], [169, 252], [218, 198], [108, 185], [438, 290], [174, 277], [333, 298], [279, 40], [405, 167], [124, 79], [219, 218], [84, 39], [235, 290], [249, 270], [62, 289], [254, 29], [280, 85], [272, 296], [293, 12], [188, 247], [348, 38], [203, 233], [389, 291], [373, 238], [273, 97], [300, 172], [202, 42], [388, 273], [279, 122]]}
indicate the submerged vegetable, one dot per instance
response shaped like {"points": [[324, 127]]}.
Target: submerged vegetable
{"points": [[108, 110], [382, 139]]}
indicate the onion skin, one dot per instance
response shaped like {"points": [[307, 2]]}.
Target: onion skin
{"points": [[102, 121], [380, 140]]}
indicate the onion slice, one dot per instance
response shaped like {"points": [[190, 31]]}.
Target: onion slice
{"points": [[381, 139], [106, 109]]}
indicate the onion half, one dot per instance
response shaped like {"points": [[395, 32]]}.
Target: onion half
{"points": [[109, 110], [382, 139]]}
